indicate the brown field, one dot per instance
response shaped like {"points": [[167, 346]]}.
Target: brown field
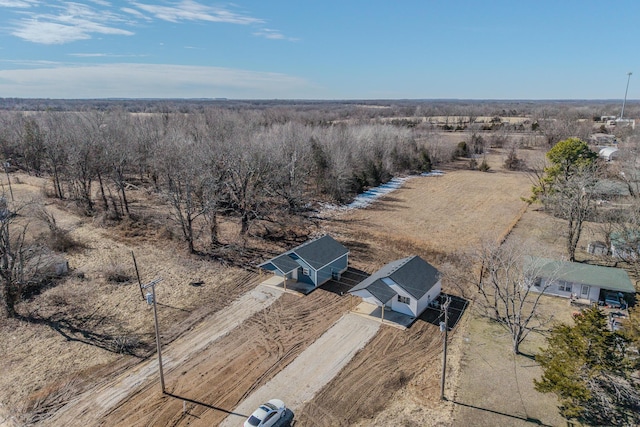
{"points": [[394, 380]]}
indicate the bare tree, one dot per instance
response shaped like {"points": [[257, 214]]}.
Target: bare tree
{"points": [[21, 260], [509, 289]]}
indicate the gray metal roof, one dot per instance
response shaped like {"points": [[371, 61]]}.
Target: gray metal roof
{"points": [[320, 252], [610, 278], [413, 274]]}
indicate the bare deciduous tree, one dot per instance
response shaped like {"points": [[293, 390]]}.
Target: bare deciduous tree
{"points": [[509, 291]]}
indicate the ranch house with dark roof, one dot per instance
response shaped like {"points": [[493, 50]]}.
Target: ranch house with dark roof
{"points": [[314, 262], [407, 286]]}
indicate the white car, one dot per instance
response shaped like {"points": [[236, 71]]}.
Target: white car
{"points": [[267, 414]]}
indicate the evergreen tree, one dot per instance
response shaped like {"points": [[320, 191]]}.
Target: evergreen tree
{"points": [[591, 371]]}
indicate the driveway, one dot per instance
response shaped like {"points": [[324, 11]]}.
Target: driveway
{"points": [[313, 368]]}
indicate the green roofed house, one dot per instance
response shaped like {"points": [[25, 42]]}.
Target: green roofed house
{"points": [[313, 263], [583, 281], [407, 286]]}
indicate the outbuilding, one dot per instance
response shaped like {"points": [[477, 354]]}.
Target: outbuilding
{"points": [[407, 286]]}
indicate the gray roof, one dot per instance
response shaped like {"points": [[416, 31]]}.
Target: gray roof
{"points": [[380, 291], [317, 253], [283, 263], [413, 274], [320, 252], [610, 278]]}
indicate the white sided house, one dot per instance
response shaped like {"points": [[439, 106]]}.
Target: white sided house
{"points": [[574, 279], [314, 262], [406, 286]]}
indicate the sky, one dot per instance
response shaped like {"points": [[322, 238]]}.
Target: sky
{"points": [[312, 49]]}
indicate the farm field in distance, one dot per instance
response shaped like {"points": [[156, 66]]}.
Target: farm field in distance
{"points": [[429, 216], [201, 199]]}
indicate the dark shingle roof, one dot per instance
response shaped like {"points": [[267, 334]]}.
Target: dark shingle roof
{"points": [[381, 291], [284, 263], [317, 253], [320, 252], [413, 274]]}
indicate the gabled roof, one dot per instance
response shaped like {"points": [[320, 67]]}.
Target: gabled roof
{"points": [[380, 291], [610, 278], [283, 263], [317, 253], [320, 252], [413, 274]]}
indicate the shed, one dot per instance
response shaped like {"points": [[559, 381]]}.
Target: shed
{"points": [[314, 262], [407, 286]]}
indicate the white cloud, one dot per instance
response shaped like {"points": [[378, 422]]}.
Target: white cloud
{"points": [[150, 81], [18, 3], [74, 22], [269, 34], [36, 31], [135, 13], [189, 10]]}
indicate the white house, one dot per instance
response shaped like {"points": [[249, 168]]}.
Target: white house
{"points": [[407, 286], [584, 281]]}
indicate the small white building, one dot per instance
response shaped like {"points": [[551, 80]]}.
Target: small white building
{"points": [[575, 279], [609, 153], [407, 286]]}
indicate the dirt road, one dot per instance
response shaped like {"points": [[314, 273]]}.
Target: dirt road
{"points": [[92, 405], [313, 368]]}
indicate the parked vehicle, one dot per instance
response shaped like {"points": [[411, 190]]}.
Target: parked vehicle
{"points": [[613, 299], [267, 414]]}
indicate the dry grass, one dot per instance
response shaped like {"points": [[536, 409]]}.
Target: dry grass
{"points": [[432, 217]]}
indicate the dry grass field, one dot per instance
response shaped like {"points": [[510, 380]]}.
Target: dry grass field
{"points": [[394, 380]]}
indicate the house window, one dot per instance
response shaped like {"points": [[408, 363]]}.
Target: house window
{"points": [[564, 286], [404, 300], [305, 271]]}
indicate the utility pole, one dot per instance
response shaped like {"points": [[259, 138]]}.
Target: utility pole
{"points": [[444, 327], [151, 299], [625, 95]]}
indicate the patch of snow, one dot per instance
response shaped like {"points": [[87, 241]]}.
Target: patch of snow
{"points": [[365, 199]]}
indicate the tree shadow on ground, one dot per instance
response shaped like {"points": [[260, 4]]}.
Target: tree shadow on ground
{"points": [[517, 417], [122, 344]]}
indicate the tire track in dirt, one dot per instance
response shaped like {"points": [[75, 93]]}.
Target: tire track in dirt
{"points": [[215, 380], [93, 403], [314, 367], [393, 359]]}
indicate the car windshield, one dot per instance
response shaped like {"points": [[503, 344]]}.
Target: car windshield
{"points": [[253, 421], [270, 406]]}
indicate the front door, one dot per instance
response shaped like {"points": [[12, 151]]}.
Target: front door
{"points": [[585, 292]]}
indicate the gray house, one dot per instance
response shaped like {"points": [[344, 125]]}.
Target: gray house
{"points": [[407, 285], [314, 262]]}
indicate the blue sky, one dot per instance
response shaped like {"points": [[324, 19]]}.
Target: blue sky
{"points": [[309, 49]]}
